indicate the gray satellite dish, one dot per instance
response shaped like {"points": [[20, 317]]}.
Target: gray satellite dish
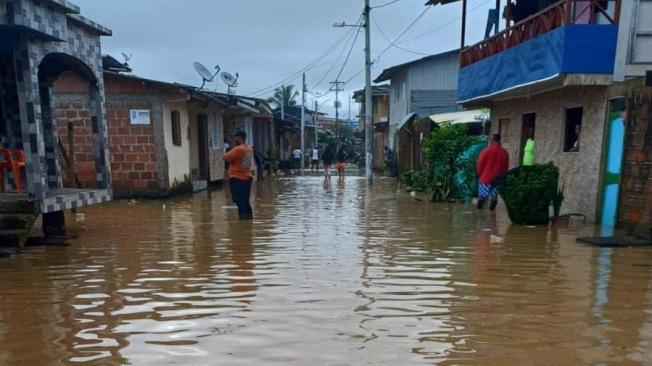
{"points": [[205, 74], [230, 80]]}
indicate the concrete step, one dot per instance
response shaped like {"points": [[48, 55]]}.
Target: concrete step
{"points": [[19, 206], [16, 221], [13, 238]]}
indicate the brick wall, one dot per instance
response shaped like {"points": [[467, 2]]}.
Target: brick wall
{"points": [[72, 105], [133, 150], [132, 147], [635, 210]]}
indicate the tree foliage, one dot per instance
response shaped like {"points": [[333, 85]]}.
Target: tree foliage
{"points": [[442, 150], [285, 96]]}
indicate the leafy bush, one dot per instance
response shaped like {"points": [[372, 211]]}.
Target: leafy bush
{"points": [[415, 180], [528, 192], [272, 156], [442, 150]]}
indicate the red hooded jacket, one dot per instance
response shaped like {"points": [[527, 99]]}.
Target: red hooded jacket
{"points": [[493, 161]]}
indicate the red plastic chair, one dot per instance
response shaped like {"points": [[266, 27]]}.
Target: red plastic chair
{"points": [[14, 160]]}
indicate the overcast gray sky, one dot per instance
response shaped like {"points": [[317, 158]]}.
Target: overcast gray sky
{"points": [[267, 41]]}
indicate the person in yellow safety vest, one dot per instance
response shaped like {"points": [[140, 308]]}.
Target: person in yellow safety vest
{"points": [[528, 152]]}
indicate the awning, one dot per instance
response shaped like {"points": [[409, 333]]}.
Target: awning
{"points": [[463, 117], [409, 117]]}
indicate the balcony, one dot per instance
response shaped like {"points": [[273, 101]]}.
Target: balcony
{"points": [[568, 37]]}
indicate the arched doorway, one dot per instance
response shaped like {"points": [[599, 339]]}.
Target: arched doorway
{"points": [[73, 156]]}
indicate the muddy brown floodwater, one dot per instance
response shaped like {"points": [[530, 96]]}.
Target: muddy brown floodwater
{"points": [[325, 275]]}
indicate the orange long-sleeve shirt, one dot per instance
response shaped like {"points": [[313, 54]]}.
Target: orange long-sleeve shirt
{"points": [[240, 160]]}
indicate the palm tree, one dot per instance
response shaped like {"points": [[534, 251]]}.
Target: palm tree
{"points": [[285, 96]]}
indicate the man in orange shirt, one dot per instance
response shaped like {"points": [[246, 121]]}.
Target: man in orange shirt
{"points": [[240, 159]]}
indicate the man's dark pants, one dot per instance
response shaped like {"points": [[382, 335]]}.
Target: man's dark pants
{"points": [[241, 193]]}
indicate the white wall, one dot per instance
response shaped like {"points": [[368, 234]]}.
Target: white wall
{"points": [[178, 156]]}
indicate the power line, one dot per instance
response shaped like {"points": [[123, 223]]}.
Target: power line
{"points": [[306, 68], [325, 75], [445, 24], [382, 33], [385, 4], [392, 44], [346, 60], [414, 22]]}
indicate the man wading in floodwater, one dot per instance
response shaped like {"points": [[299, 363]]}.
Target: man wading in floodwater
{"points": [[240, 160], [493, 161]]}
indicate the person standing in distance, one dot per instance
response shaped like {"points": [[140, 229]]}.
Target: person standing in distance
{"points": [[240, 159]]}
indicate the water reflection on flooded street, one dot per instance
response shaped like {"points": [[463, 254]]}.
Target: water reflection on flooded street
{"points": [[329, 274]]}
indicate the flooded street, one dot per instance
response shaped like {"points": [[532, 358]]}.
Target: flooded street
{"points": [[325, 275]]}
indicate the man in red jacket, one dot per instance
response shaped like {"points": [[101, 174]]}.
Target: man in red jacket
{"points": [[493, 161]]}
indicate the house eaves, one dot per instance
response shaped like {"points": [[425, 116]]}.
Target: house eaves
{"points": [[389, 73]]}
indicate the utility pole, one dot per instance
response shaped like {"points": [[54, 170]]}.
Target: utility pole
{"points": [[368, 110], [336, 84], [303, 122], [368, 121], [315, 124]]}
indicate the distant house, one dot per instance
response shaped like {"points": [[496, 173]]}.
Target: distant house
{"points": [[417, 90], [164, 138], [380, 119], [288, 129]]}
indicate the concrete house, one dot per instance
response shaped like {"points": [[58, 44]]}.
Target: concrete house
{"points": [[380, 119], [557, 80], [40, 40], [164, 138], [418, 89]]}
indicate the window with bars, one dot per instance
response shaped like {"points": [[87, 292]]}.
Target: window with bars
{"points": [[176, 128]]}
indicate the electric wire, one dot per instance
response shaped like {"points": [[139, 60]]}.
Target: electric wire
{"points": [[385, 4], [382, 33], [311, 65], [325, 75]]}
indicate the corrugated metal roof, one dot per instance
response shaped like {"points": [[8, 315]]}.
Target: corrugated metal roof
{"points": [[441, 2], [463, 117], [390, 72]]}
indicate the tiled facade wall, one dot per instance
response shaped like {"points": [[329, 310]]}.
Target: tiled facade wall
{"points": [[580, 171], [635, 210], [38, 126]]}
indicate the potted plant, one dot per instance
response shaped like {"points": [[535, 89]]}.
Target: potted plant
{"points": [[557, 220]]}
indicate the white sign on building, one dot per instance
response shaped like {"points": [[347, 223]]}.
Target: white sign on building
{"points": [[140, 117]]}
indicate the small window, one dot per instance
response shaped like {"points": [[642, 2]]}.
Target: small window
{"points": [[573, 129], [176, 128]]}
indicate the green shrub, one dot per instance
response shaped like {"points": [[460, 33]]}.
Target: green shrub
{"points": [[442, 150], [416, 180], [272, 156], [528, 193]]}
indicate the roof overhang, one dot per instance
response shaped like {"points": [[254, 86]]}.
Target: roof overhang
{"points": [[462, 117], [90, 25], [554, 82], [441, 2], [408, 117]]}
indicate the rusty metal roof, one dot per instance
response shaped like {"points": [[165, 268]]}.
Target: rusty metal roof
{"points": [[441, 2]]}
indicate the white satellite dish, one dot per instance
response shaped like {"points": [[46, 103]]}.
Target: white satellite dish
{"points": [[230, 80], [205, 74]]}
